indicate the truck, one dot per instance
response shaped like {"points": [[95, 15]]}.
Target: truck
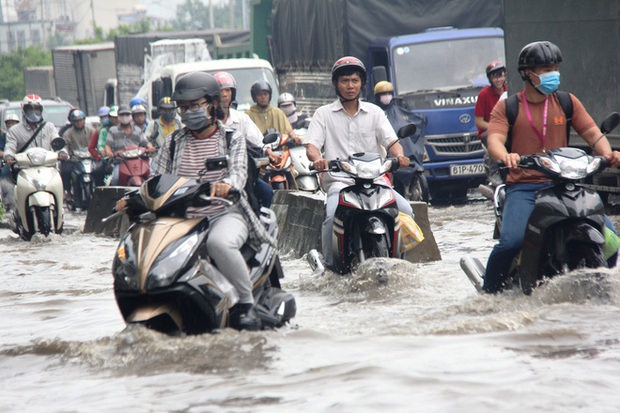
{"points": [[438, 73], [589, 41], [435, 54], [40, 81], [245, 71], [135, 52], [81, 73]]}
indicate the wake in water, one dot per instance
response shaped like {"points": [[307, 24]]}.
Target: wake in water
{"points": [[140, 351]]}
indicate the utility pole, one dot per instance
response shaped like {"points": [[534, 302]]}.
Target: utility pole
{"points": [[92, 11]]}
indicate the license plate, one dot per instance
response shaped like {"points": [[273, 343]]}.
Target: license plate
{"points": [[469, 169]]}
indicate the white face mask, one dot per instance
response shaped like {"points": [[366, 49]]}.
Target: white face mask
{"points": [[288, 109], [385, 99]]}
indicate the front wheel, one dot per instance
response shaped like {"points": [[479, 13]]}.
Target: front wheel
{"points": [[417, 190], [44, 219]]}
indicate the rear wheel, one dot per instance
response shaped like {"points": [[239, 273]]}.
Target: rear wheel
{"points": [[583, 255], [376, 245]]}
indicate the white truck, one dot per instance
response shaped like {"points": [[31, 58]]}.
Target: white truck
{"points": [[245, 71]]}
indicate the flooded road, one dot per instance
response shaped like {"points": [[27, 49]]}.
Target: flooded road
{"points": [[395, 337]]}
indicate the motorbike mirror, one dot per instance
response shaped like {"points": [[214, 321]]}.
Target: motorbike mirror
{"points": [[216, 163], [58, 144], [270, 138], [407, 130], [610, 122]]}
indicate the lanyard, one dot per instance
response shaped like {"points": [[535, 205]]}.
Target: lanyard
{"points": [[543, 134]]}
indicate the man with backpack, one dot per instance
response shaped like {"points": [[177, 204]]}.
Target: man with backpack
{"points": [[533, 121]]}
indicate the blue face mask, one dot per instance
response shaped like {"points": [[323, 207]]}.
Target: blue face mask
{"points": [[106, 122], [549, 82]]}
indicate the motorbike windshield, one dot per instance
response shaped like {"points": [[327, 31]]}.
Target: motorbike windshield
{"points": [[445, 66]]}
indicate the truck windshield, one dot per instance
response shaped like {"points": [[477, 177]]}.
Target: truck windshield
{"points": [[445, 65]]}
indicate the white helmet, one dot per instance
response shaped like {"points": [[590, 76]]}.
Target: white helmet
{"points": [[12, 116], [286, 98], [32, 99], [32, 108]]}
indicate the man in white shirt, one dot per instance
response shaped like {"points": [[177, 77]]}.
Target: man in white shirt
{"points": [[344, 127], [235, 120]]}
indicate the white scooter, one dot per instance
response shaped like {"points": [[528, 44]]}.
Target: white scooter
{"points": [[307, 180], [38, 192]]}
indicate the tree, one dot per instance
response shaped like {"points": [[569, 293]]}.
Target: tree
{"points": [[12, 68]]}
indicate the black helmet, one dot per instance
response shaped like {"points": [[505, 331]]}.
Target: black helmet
{"points": [[260, 86], [165, 103], [350, 64], [196, 85], [542, 53]]}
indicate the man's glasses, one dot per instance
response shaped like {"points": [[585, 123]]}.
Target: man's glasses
{"points": [[192, 106]]}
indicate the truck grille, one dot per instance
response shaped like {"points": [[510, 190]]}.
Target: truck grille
{"points": [[455, 144]]}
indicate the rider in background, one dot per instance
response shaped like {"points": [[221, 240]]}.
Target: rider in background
{"points": [[288, 105], [76, 136], [165, 124], [122, 136], [540, 125], [490, 95], [138, 115], [266, 116], [384, 94], [5, 173], [108, 116], [239, 121]]}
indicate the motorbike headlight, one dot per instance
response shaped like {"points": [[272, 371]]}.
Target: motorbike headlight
{"points": [[37, 158], [550, 164], [574, 168], [369, 170], [171, 260]]}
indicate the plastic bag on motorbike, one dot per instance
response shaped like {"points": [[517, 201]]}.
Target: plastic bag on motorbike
{"points": [[410, 232], [611, 243]]}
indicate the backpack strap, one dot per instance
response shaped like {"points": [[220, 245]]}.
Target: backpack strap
{"points": [[512, 111], [173, 145], [567, 106]]}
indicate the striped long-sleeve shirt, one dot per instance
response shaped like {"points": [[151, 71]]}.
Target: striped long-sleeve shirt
{"points": [[235, 175]]}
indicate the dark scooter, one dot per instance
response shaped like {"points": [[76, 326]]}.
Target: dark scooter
{"points": [[566, 230], [163, 275], [82, 184]]}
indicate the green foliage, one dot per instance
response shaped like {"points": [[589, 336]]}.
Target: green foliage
{"points": [[194, 15], [11, 67]]}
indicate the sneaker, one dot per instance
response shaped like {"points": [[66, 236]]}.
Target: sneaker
{"points": [[248, 318]]}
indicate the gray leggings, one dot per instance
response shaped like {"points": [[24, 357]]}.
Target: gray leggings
{"points": [[227, 235]]}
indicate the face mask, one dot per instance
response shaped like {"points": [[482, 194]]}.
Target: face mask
{"points": [[106, 122], [288, 109], [385, 99], [33, 115], [196, 120], [167, 116], [549, 82], [124, 119]]}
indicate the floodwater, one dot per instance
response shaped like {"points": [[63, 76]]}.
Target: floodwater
{"points": [[395, 337]]}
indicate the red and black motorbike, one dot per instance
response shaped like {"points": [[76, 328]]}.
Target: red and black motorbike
{"points": [[133, 165]]}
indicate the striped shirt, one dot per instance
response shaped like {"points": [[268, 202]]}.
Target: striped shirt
{"points": [[193, 162]]}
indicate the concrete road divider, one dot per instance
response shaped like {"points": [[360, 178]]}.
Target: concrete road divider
{"points": [[300, 216]]}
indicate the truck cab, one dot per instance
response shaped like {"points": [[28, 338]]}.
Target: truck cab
{"points": [[439, 73], [246, 71]]}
